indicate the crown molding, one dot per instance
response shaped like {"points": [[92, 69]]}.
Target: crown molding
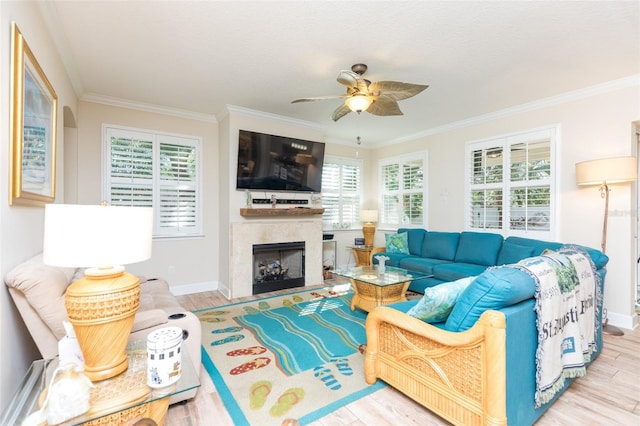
{"points": [[268, 116], [598, 89], [140, 106]]}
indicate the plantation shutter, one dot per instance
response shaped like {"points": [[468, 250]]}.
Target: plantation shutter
{"points": [[402, 193], [155, 170], [178, 202], [340, 193], [510, 183], [131, 173]]}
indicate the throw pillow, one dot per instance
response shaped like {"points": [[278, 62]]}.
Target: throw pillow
{"points": [[438, 301], [397, 243]]}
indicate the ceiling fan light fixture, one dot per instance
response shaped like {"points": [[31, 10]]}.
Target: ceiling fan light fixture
{"points": [[358, 103]]}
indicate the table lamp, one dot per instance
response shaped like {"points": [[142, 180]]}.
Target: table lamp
{"points": [[604, 172], [367, 217], [102, 305]]}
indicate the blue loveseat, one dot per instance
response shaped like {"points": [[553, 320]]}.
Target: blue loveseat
{"points": [[479, 365], [449, 256]]}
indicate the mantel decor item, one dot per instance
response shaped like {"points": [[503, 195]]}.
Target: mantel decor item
{"points": [[34, 107], [367, 217], [102, 305], [604, 172]]}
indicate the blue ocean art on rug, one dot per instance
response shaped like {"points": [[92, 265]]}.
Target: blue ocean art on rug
{"points": [[305, 335]]}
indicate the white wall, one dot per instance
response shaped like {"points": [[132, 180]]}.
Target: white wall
{"points": [[21, 227]]}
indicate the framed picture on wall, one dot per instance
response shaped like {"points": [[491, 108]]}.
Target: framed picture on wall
{"points": [[34, 106]]}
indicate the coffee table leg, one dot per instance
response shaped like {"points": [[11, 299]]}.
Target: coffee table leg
{"points": [[356, 297]]}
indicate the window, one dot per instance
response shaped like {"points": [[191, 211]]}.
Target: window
{"points": [[341, 192], [155, 170], [403, 190], [510, 181]]}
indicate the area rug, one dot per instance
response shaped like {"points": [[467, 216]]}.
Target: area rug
{"points": [[294, 356]]}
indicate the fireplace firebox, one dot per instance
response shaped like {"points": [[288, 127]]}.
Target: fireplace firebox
{"points": [[278, 266]]}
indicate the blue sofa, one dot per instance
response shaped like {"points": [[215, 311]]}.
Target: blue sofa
{"points": [[478, 366], [449, 256]]}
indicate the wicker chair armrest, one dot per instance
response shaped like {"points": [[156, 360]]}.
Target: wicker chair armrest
{"points": [[467, 368]]}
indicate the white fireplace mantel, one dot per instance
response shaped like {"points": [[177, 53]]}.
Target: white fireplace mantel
{"points": [[244, 235]]}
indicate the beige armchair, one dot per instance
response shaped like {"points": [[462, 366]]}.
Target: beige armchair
{"points": [[38, 292]]}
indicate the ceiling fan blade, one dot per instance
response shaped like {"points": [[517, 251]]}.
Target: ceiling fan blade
{"points": [[353, 81], [396, 90], [318, 98], [340, 112], [384, 106], [349, 79]]}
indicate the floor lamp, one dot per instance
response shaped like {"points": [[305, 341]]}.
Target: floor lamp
{"points": [[101, 306], [604, 172]]}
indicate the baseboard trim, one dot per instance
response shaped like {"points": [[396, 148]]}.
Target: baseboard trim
{"points": [[181, 290], [628, 322]]}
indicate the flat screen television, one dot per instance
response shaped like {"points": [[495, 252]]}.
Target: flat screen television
{"points": [[277, 163]]}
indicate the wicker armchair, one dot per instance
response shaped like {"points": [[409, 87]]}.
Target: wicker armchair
{"points": [[459, 376]]}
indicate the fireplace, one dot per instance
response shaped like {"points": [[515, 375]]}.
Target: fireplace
{"points": [[278, 266], [244, 235]]}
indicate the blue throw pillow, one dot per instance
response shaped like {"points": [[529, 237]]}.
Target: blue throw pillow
{"points": [[397, 243], [438, 301], [494, 289]]}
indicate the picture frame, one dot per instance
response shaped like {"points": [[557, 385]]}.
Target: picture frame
{"points": [[34, 118]]}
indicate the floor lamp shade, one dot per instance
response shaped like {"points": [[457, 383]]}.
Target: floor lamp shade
{"points": [[606, 171], [367, 217], [102, 305]]}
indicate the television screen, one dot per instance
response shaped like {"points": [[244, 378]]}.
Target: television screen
{"points": [[278, 163]]}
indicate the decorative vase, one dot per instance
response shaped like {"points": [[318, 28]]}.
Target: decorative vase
{"points": [[381, 266]]}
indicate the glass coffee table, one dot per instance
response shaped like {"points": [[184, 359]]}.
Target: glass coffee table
{"points": [[118, 400], [373, 288]]}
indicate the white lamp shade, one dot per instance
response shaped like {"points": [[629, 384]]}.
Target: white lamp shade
{"points": [[96, 236], [369, 215], [606, 170], [358, 103]]}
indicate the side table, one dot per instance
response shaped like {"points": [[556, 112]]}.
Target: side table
{"points": [[362, 255], [117, 400]]}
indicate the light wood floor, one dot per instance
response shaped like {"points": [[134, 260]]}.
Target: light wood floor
{"points": [[608, 395]]}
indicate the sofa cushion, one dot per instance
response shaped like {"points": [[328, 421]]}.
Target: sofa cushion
{"points": [[454, 271], [44, 287], [397, 243], [513, 253], [438, 301], [421, 264], [493, 289], [478, 247], [416, 238], [440, 245]]}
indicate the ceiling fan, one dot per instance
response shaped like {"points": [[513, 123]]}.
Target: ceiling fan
{"points": [[378, 98]]}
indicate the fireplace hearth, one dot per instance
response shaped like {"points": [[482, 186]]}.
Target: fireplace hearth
{"points": [[278, 266]]}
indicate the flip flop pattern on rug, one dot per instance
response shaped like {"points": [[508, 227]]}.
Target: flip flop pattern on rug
{"points": [[324, 374], [250, 310], [250, 365], [212, 313], [342, 363], [227, 330], [214, 319], [258, 394], [286, 401], [234, 338], [251, 350]]}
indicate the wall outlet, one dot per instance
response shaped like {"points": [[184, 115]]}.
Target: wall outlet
{"points": [[172, 269]]}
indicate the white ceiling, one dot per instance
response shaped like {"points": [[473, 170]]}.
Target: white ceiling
{"points": [[478, 57]]}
